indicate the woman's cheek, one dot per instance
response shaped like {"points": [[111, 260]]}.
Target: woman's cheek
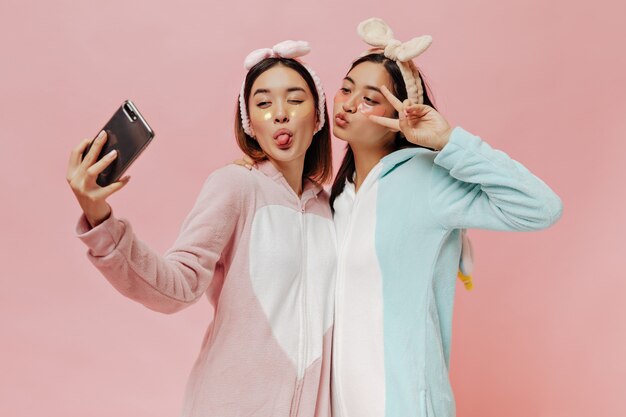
{"points": [[300, 112], [369, 110], [258, 115], [340, 98]]}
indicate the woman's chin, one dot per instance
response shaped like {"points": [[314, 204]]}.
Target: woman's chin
{"points": [[342, 135], [339, 133], [285, 155]]}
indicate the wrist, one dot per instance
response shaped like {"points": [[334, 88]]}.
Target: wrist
{"points": [[97, 215], [445, 138]]}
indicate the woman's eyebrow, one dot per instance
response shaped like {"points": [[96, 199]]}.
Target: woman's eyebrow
{"points": [[267, 91], [367, 87], [371, 87], [261, 91]]}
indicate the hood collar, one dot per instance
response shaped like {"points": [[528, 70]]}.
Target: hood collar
{"points": [[399, 157], [308, 186]]}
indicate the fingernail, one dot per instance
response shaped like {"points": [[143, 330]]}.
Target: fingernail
{"points": [[100, 135], [112, 154]]}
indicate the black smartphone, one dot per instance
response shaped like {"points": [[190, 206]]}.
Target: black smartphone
{"points": [[129, 134]]}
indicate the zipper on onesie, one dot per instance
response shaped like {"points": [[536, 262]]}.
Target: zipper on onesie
{"points": [[303, 337]]}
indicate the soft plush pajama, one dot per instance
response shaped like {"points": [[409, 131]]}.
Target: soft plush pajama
{"points": [[265, 260], [399, 243]]}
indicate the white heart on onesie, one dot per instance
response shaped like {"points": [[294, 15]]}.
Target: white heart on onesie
{"points": [[278, 237]]}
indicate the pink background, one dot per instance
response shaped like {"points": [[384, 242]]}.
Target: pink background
{"points": [[542, 334]]}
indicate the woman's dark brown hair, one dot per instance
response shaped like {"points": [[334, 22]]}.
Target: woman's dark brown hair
{"points": [[318, 159], [346, 170]]}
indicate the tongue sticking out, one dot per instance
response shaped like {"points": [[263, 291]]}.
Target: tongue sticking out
{"points": [[283, 139]]}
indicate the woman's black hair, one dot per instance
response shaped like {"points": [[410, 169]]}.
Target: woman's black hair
{"points": [[346, 170]]}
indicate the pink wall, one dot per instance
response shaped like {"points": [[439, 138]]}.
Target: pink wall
{"points": [[543, 333]]}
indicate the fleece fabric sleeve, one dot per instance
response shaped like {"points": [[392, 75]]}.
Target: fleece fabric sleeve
{"points": [[170, 282], [473, 185]]}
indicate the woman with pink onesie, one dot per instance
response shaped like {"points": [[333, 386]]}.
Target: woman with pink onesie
{"points": [[258, 244]]}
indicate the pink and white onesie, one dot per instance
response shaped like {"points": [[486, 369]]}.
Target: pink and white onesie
{"points": [[266, 261]]}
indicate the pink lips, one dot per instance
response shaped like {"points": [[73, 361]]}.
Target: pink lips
{"points": [[341, 120], [283, 138]]}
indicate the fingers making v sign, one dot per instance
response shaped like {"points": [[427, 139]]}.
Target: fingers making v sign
{"points": [[419, 123]]}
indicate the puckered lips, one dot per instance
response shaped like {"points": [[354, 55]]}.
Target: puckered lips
{"points": [[341, 120]]}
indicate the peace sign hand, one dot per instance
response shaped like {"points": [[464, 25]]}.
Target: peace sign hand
{"points": [[419, 123]]}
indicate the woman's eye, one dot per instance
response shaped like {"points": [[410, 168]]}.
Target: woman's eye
{"points": [[263, 104], [370, 101], [345, 90], [294, 101]]}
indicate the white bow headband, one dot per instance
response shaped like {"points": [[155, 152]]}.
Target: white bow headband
{"points": [[378, 34], [285, 49]]}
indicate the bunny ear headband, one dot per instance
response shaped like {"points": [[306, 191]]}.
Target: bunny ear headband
{"points": [[285, 49], [376, 33]]}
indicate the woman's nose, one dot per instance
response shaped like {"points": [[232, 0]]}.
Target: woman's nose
{"points": [[281, 115], [349, 106]]}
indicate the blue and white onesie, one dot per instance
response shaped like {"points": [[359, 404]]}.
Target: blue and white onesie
{"points": [[399, 242]]}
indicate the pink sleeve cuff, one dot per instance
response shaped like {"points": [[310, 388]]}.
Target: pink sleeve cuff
{"points": [[102, 239]]}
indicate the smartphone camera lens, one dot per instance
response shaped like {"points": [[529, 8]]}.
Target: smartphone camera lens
{"points": [[131, 114]]}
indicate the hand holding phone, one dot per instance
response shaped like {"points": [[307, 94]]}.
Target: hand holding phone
{"points": [[96, 165], [129, 134]]}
